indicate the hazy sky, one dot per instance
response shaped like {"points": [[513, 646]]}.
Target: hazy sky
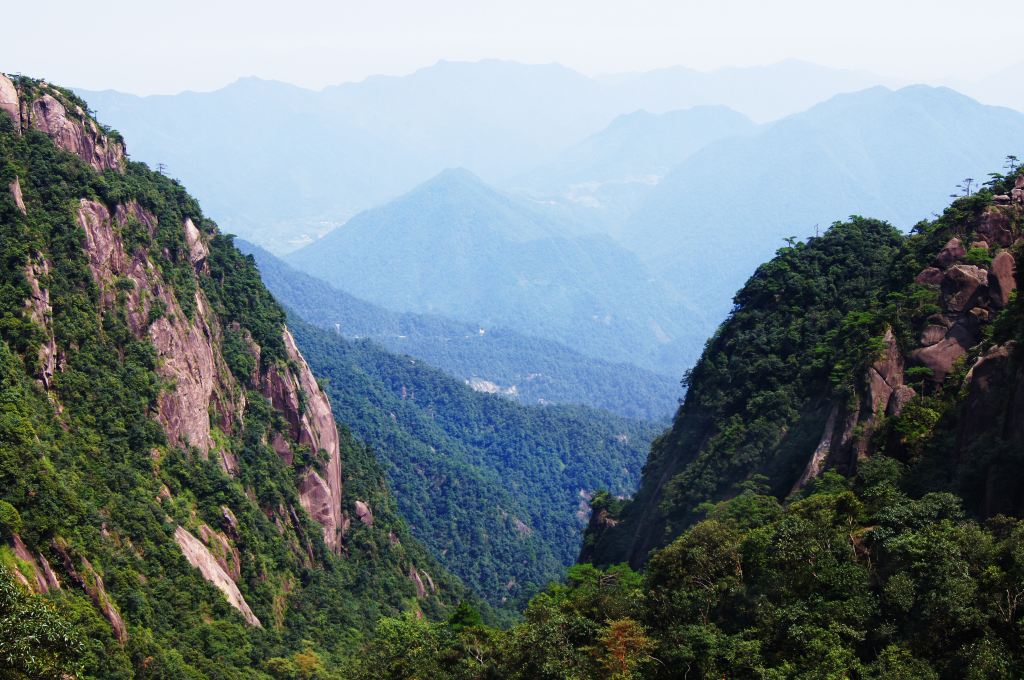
{"points": [[145, 47]]}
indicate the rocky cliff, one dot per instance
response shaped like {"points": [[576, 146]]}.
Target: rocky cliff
{"points": [[860, 343], [161, 383]]}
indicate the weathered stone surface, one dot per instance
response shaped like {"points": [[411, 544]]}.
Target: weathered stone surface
{"points": [[313, 426], [223, 551], [52, 582], [820, 454], [900, 396], [318, 501], [939, 357], [186, 349], [414, 576], [282, 448], [197, 250], [962, 286], [200, 557], [19, 199], [9, 102], [930, 276], [932, 334], [364, 513], [41, 313], [38, 583], [1003, 278], [884, 375], [950, 253], [996, 226], [76, 133], [1018, 190]]}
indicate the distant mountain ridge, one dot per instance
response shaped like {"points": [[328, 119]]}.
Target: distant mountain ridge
{"points": [[896, 155], [357, 145], [455, 246]]}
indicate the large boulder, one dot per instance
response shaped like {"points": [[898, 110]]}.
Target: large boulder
{"points": [[950, 253], [77, 133], [963, 285], [1003, 278], [996, 227], [930, 276], [9, 102]]}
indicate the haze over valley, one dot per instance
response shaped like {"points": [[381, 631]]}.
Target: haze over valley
{"points": [[511, 340]]}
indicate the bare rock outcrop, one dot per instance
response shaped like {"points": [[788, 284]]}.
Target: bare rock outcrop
{"points": [[186, 348], [950, 253], [9, 100], [364, 513], [197, 250], [312, 423], [39, 582], [962, 286], [1003, 278], [320, 504], [414, 576], [820, 454], [199, 556], [77, 133], [41, 312], [282, 448], [223, 550], [1017, 194], [19, 199], [996, 226], [885, 374], [940, 357], [930, 276]]}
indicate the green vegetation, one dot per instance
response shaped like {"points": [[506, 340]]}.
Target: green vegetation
{"points": [[852, 578], [491, 487], [90, 483]]}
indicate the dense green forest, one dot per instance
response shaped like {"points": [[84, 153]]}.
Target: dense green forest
{"points": [[540, 370], [99, 488], [838, 495], [495, 489], [899, 556]]}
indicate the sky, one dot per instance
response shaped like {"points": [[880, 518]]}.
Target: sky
{"points": [[149, 47]]}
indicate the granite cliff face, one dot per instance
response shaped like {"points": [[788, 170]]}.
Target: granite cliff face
{"points": [[924, 366], [151, 268]]}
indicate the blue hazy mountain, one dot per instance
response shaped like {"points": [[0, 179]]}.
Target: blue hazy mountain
{"points": [[610, 172], [528, 369], [280, 165], [896, 155], [457, 247]]}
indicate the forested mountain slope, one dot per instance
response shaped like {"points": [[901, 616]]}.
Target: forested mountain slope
{"points": [[496, 490], [173, 486], [457, 247], [858, 342], [839, 496], [528, 369]]}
